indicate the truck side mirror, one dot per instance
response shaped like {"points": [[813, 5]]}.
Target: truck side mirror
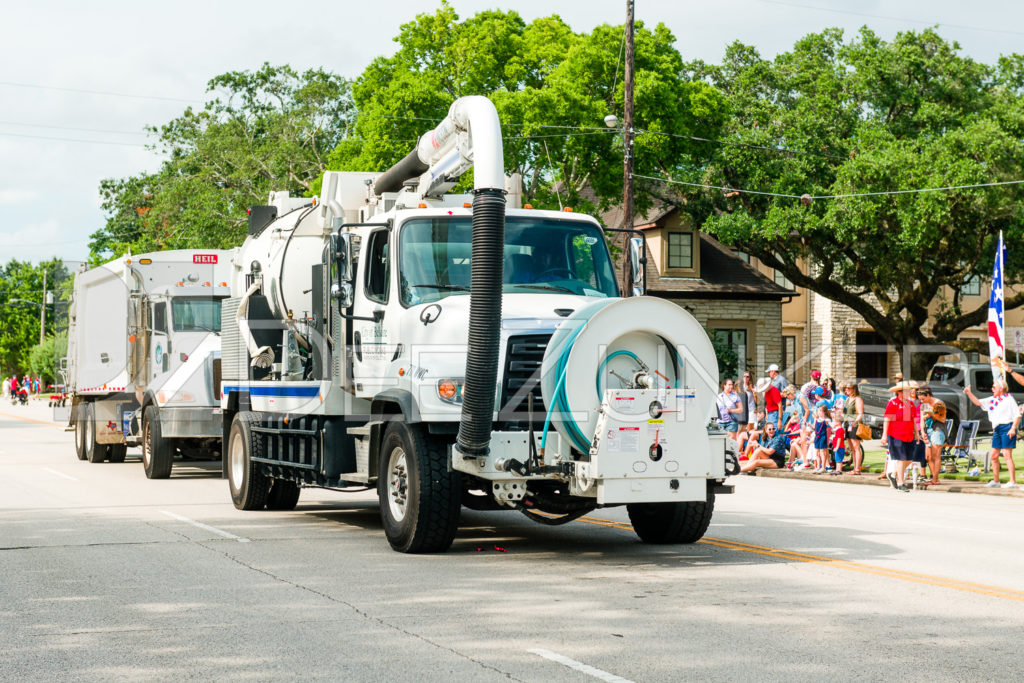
{"points": [[344, 256], [638, 265]]}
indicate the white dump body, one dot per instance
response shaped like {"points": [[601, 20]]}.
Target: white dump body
{"points": [[108, 344]]}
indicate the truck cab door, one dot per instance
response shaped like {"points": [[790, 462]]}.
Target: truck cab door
{"points": [[373, 343], [159, 348]]}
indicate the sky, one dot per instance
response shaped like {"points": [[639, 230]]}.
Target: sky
{"points": [[80, 81]]}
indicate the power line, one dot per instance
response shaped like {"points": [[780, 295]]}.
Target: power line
{"points": [[890, 18], [98, 92], [94, 142], [830, 196], [778, 150], [87, 130]]}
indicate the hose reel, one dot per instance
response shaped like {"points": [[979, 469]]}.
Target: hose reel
{"points": [[638, 342]]}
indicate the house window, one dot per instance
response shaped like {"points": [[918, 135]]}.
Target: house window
{"points": [[680, 250], [972, 287], [742, 256], [782, 280], [735, 341]]}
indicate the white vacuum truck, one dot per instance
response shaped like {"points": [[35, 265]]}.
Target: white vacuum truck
{"points": [[450, 352], [143, 361]]}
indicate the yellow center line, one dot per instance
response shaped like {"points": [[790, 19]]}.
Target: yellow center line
{"points": [[30, 419], [860, 567]]}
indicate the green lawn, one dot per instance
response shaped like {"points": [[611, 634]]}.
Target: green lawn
{"points": [[874, 461]]}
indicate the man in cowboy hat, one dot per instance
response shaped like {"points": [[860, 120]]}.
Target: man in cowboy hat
{"points": [[1004, 415], [901, 430]]}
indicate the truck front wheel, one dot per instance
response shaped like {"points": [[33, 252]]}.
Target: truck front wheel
{"points": [[672, 522], [419, 497], [249, 487], [157, 452]]}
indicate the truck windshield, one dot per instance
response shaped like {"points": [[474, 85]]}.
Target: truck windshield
{"points": [[195, 314], [542, 256]]}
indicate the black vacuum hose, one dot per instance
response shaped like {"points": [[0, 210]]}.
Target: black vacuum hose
{"points": [[484, 322]]}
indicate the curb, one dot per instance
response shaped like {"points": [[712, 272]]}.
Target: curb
{"points": [[954, 486]]}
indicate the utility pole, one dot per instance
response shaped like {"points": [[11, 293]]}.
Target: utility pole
{"points": [[42, 311], [627, 135]]}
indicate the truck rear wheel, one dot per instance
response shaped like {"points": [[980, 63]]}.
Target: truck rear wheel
{"points": [[249, 487], [157, 452], [284, 495], [94, 452], [672, 522], [419, 497], [80, 450], [117, 452]]}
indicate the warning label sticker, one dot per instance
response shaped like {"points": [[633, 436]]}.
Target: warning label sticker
{"points": [[626, 405], [624, 440]]}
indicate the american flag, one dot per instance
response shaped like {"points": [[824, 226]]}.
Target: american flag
{"points": [[996, 340]]}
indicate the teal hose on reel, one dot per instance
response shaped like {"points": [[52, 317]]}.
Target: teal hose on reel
{"points": [[560, 401]]}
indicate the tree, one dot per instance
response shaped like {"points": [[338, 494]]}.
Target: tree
{"points": [[552, 89], [269, 129], [21, 294], [836, 118], [44, 359]]}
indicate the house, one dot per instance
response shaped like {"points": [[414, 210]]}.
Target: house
{"points": [[737, 304]]}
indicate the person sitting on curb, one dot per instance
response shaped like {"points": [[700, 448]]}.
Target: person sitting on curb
{"points": [[772, 455], [1004, 415]]}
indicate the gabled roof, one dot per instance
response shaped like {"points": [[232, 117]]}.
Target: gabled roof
{"points": [[723, 275]]}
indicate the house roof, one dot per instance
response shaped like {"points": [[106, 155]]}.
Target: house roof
{"points": [[723, 275]]}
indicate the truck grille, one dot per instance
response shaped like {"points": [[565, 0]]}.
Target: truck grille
{"points": [[523, 357]]}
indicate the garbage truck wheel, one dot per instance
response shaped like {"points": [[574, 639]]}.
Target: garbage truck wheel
{"points": [[419, 497], [249, 487], [80, 449], [157, 452], [117, 452], [672, 522], [284, 495], [94, 452]]}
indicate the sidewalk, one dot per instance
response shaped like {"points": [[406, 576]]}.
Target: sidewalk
{"points": [[869, 479]]}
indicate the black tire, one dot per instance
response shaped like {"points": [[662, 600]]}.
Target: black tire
{"points": [[420, 498], [94, 452], [117, 452], [157, 452], [249, 487], [80, 431], [284, 495], [672, 522]]}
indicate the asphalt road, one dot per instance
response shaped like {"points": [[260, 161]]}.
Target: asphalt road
{"points": [[106, 575]]}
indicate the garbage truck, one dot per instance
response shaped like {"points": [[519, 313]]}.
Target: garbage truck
{"points": [[143, 359], [450, 351]]}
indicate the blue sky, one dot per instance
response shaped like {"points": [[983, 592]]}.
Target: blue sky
{"points": [[50, 171]]}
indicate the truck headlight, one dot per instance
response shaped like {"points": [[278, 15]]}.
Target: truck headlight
{"points": [[449, 390]]}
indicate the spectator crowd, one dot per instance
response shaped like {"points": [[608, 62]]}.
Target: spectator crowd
{"points": [[819, 427]]}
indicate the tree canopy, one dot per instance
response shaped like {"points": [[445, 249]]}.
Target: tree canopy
{"points": [[269, 129], [21, 294], [831, 119]]}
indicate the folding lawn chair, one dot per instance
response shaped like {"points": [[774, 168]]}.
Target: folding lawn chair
{"points": [[961, 446]]}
